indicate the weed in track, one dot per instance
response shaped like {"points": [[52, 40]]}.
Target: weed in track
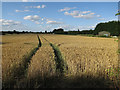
{"points": [[61, 66]]}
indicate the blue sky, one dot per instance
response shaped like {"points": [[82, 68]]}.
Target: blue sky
{"points": [[41, 16], [60, 0]]}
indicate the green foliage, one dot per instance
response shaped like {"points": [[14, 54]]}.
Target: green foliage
{"points": [[112, 71], [118, 51], [61, 66], [40, 43], [73, 32], [111, 26], [87, 32], [116, 40], [117, 14], [89, 35], [58, 31], [105, 36]]}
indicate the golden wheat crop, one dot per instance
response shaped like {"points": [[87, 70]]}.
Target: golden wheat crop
{"points": [[0, 61], [14, 49], [87, 55], [84, 56], [42, 64]]}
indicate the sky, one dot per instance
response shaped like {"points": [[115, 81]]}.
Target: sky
{"points": [[41, 16], [59, 0]]}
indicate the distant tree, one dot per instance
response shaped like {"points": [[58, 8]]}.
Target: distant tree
{"points": [[23, 31], [87, 32], [45, 31], [58, 31], [14, 31], [73, 32], [117, 14], [118, 10], [111, 26]]}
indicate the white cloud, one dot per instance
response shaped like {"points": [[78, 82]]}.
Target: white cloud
{"points": [[98, 16], [101, 19], [17, 10], [78, 14], [9, 22], [24, 0], [23, 11], [82, 14], [66, 9], [42, 19], [38, 7], [73, 13], [53, 22], [32, 18], [12, 25], [107, 20], [72, 27], [66, 27], [88, 16], [43, 6], [37, 22]]}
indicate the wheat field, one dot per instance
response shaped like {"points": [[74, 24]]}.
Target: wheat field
{"points": [[15, 48], [84, 61], [89, 56]]}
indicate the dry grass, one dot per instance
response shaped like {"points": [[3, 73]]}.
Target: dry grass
{"points": [[15, 48]]}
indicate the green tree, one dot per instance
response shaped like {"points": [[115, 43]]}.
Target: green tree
{"points": [[111, 26], [117, 14]]}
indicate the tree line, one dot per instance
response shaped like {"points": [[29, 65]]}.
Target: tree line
{"points": [[112, 26]]}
